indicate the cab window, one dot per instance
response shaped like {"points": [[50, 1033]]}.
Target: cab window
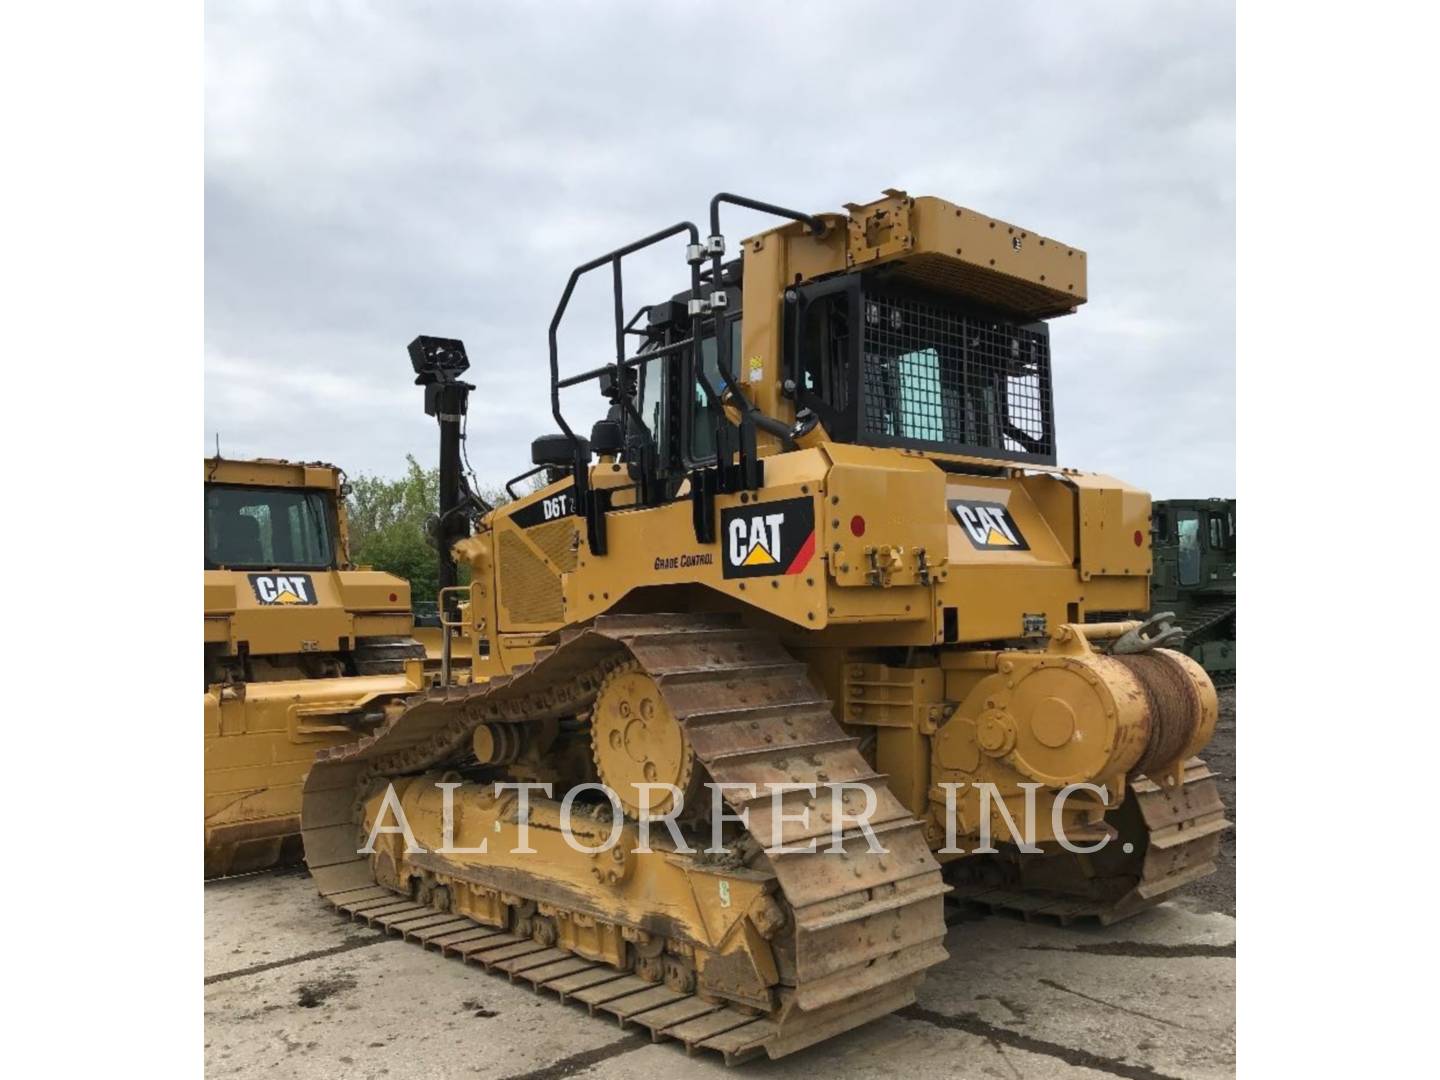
{"points": [[703, 416], [267, 528], [652, 399]]}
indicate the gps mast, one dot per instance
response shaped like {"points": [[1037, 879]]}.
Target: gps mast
{"points": [[439, 363]]}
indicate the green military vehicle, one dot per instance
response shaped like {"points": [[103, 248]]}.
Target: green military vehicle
{"points": [[1194, 576]]}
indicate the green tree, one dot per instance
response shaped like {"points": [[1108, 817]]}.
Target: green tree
{"points": [[388, 526]]}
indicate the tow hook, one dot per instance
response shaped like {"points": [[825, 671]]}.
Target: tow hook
{"points": [[1156, 632]]}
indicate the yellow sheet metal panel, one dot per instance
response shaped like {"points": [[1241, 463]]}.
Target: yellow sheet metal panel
{"points": [[292, 628], [1011, 575], [767, 552], [219, 592], [212, 714], [338, 603], [1126, 593], [372, 590], [955, 249], [883, 520], [871, 608], [1114, 527], [272, 472], [1005, 603], [398, 624], [995, 523], [1055, 500]]}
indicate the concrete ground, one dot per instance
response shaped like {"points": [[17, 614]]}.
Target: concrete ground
{"points": [[292, 989]]}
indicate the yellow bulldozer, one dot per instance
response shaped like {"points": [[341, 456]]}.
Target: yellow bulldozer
{"points": [[299, 647], [790, 647]]}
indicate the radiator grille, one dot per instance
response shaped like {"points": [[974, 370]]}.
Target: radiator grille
{"points": [[942, 376], [557, 540], [529, 590]]}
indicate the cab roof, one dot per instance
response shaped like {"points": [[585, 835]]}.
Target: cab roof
{"points": [[273, 472]]}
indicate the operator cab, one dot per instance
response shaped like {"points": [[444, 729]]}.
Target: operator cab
{"points": [[875, 357], [1201, 536], [268, 528], [675, 411], [877, 360], [911, 324]]}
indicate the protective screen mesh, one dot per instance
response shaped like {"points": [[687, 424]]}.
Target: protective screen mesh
{"points": [[939, 375]]}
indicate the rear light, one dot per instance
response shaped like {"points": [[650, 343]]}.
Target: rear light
{"points": [[857, 525]]}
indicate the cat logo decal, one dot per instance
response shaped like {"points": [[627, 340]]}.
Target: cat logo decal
{"points": [[764, 539], [275, 590], [988, 525]]}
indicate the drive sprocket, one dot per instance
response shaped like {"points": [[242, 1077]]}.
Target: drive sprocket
{"points": [[636, 739]]}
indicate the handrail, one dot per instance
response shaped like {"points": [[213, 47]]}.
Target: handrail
{"points": [[510, 484], [613, 258], [446, 626], [751, 417]]}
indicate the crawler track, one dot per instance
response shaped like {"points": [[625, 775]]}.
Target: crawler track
{"points": [[865, 925], [667, 1014], [1175, 835], [1198, 621]]}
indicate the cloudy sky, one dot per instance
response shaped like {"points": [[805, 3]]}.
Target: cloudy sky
{"points": [[378, 170]]}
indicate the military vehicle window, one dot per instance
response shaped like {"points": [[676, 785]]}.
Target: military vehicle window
{"points": [[1217, 532], [271, 528], [702, 416], [1187, 525]]}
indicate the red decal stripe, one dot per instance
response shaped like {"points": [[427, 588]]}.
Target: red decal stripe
{"points": [[803, 556]]}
